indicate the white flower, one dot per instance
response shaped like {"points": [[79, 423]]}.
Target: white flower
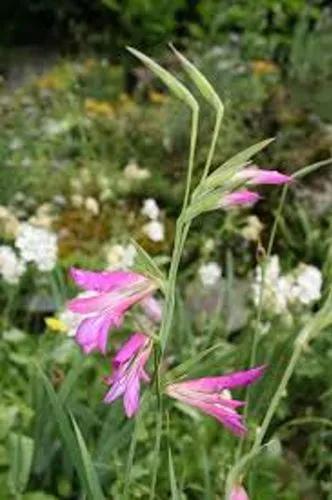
{"points": [[302, 286], [56, 127], [77, 200], [11, 267], [307, 284], [71, 321], [275, 291], [253, 228], [150, 209], [119, 256], [154, 230], [37, 245], [133, 172], [92, 205], [209, 273]]}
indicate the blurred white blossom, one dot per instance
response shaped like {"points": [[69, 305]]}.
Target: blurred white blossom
{"points": [[301, 286], [11, 267], [71, 321], [92, 205], [307, 284], [133, 172], [119, 256], [154, 230], [56, 127], [253, 228], [37, 245], [150, 209], [209, 274]]}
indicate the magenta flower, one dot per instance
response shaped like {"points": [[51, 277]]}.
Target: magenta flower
{"points": [[111, 294], [254, 175], [242, 197], [212, 396], [128, 371], [238, 493]]}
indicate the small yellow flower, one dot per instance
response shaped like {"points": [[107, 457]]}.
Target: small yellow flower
{"points": [[157, 97], [98, 108], [50, 82], [55, 324], [263, 67]]}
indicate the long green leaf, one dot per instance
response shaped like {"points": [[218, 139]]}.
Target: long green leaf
{"points": [[203, 85], [172, 479], [69, 438], [91, 476], [311, 168], [178, 89], [21, 452]]}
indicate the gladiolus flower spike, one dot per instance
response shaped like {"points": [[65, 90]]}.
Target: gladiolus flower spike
{"points": [[256, 176], [128, 371], [211, 395], [109, 295]]}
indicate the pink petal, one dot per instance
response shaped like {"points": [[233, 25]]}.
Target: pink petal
{"points": [[92, 333], [238, 493], [152, 308], [242, 198], [104, 281], [116, 391], [88, 305], [259, 176], [211, 384], [131, 396], [129, 348]]}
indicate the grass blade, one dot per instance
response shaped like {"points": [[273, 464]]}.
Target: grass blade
{"points": [[90, 473], [71, 441], [169, 80], [172, 478]]}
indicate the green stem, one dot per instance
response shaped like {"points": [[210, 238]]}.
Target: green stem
{"points": [[213, 144], [193, 141], [301, 341], [180, 236], [253, 354], [255, 339]]}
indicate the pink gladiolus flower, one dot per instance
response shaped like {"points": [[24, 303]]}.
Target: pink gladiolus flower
{"points": [[255, 175], [111, 294], [212, 396], [152, 308], [128, 371], [242, 197], [238, 493]]}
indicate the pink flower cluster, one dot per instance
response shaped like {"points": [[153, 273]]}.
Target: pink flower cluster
{"points": [[109, 295], [252, 176]]}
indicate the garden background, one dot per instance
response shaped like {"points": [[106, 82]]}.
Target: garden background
{"points": [[93, 151]]}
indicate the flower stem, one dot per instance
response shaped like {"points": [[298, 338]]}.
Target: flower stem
{"points": [[212, 149], [180, 236], [320, 321], [255, 339]]}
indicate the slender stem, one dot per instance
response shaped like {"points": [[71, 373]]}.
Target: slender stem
{"points": [[255, 339], [213, 144], [159, 424], [193, 141], [181, 229], [253, 354], [300, 342]]}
